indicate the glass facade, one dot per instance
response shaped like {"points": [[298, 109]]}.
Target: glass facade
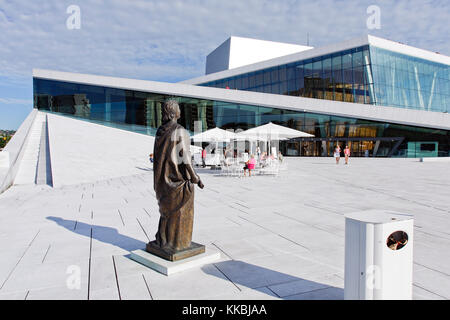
{"points": [[367, 75], [141, 112], [408, 82], [341, 76]]}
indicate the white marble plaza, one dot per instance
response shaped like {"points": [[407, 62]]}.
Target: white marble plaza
{"points": [[279, 237]]}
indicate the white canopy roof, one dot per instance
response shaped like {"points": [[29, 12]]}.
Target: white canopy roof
{"points": [[271, 131], [215, 134]]}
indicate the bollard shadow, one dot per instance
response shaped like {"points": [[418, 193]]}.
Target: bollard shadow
{"points": [[144, 169], [104, 234], [274, 283]]}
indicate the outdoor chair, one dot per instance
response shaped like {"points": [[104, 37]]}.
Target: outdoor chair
{"points": [[237, 170], [197, 159], [271, 169]]}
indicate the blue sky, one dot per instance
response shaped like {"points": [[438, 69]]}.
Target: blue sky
{"points": [[168, 40]]}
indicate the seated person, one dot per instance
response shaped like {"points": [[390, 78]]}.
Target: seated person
{"points": [[280, 157], [250, 165], [263, 156], [245, 156], [263, 159]]}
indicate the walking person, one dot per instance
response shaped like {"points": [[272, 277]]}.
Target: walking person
{"points": [[347, 154], [337, 153], [204, 157]]}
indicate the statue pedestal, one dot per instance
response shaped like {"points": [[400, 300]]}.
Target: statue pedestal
{"points": [[171, 255], [170, 267]]}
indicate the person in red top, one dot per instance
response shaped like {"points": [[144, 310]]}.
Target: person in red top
{"points": [[347, 154], [204, 157]]}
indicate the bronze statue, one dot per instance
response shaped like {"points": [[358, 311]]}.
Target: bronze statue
{"points": [[174, 179]]}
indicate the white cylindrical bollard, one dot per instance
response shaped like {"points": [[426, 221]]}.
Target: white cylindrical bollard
{"points": [[378, 255]]}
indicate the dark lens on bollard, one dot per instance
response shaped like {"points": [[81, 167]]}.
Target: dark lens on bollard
{"points": [[397, 240]]}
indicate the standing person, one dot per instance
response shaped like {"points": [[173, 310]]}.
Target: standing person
{"points": [[151, 157], [280, 156], [204, 157], [258, 152], [347, 154], [337, 153]]}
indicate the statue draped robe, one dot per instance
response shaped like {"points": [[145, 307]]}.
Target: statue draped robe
{"points": [[174, 180]]}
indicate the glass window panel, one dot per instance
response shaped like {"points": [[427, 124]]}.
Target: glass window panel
{"points": [[274, 75], [317, 68], [283, 88], [267, 79], [259, 79], [336, 62], [259, 89], [292, 87], [338, 85], [300, 72], [275, 88], [238, 83], [347, 61], [308, 69], [357, 59], [245, 84], [291, 72], [326, 64], [252, 80], [282, 73], [366, 57], [348, 76], [300, 86]]}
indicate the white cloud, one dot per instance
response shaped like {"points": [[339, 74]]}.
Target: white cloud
{"points": [[168, 40], [27, 102]]}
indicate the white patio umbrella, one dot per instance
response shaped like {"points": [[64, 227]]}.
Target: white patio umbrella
{"points": [[195, 149], [216, 134], [272, 132]]}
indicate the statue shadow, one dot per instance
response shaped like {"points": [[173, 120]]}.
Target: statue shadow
{"points": [[274, 283], [104, 234], [208, 170]]}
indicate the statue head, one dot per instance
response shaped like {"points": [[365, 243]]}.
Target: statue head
{"points": [[170, 111]]}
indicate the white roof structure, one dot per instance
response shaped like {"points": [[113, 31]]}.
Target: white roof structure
{"points": [[237, 52]]}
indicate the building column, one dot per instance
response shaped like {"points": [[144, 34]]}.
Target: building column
{"points": [[201, 112]]}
